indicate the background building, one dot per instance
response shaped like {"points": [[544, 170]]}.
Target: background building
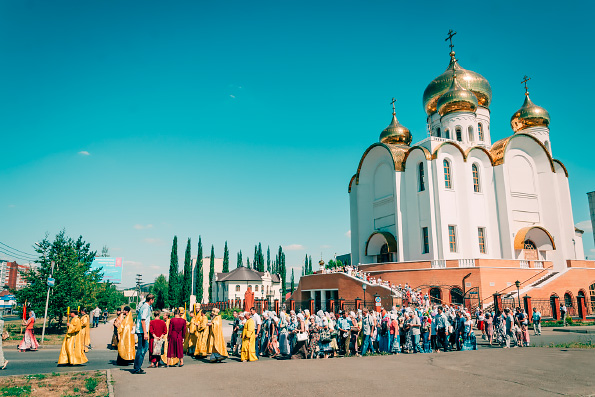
{"points": [[233, 285]]}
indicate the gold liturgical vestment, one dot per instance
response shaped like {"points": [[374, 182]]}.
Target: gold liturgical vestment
{"points": [[85, 332], [249, 341], [192, 334], [202, 331], [126, 349], [216, 342], [72, 347]]}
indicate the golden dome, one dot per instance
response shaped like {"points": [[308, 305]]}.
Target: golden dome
{"points": [[456, 99], [396, 133], [529, 115], [468, 79]]}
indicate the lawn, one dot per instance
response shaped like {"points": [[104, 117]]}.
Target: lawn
{"points": [[88, 383]]}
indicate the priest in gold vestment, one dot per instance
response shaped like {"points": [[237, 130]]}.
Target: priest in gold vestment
{"points": [[248, 352], [72, 348], [126, 348], [216, 343], [202, 334], [85, 330]]}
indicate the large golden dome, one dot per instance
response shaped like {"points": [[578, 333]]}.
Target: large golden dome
{"points": [[456, 99], [529, 115], [468, 79], [396, 133]]}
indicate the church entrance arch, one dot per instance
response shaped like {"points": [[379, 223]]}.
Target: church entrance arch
{"points": [[382, 246], [533, 243], [435, 295]]}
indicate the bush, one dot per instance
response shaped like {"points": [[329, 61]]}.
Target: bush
{"points": [[569, 320], [16, 391], [91, 384]]}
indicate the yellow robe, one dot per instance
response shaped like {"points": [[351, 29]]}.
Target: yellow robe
{"points": [[126, 349], [72, 347], [85, 332], [192, 335], [249, 342], [202, 331], [216, 341]]}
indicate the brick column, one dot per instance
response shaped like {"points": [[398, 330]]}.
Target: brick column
{"points": [[292, 305], [311, 306], [277, 306], [528, 308], [332, 306], [341, 304], [497, 303], [582, 307], [556, 308], [358, 303]]}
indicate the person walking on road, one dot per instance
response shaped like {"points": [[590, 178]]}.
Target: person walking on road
{"points": [[73, 352], [96, 314], [536, 321], [3, 362], [175, 340], [143, 321], [29, 342]]}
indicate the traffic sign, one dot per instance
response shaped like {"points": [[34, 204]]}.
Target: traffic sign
{"points": [[51, 281], [378, 300]]}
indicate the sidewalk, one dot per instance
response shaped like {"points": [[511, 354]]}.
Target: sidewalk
{"points": [[101, 337]]}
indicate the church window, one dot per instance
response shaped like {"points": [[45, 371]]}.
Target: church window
{"points": [[480, 131], [237, 288], [447, 133], [459, 134], [421, 177], [470, 131], [476, 186], [425, 240], [452, 238], [447, 175], [438, 132], [592, 296], [481, 234], [256, 288], [250, 287], [568, 300]]}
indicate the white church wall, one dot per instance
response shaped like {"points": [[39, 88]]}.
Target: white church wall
{"points": [[354, 211], [483, 117], [572, 243]]}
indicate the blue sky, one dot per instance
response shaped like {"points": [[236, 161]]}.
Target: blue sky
{"points": [[131, 122]]}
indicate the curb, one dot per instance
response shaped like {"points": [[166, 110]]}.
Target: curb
{"points": [[110, 386], [578, 331]]}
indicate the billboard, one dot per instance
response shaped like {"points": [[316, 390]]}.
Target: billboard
{"points": [[111, 268]]}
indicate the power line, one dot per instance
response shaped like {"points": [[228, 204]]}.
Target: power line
{"points": [[13, 255], [14, 249]]}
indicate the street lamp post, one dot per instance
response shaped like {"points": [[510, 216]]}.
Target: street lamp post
{"points": [[138, 282], [518, 287], [364, 286]]}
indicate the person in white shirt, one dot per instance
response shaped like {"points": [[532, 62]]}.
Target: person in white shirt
{"points": [[258, 325]]}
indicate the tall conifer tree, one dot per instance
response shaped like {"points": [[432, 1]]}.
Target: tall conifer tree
{"points": [[173, 283], [225, 259], [186, 287], [269, 259], [199, 274], [211, 273], [292, 282], [248, 262], [283, 277], [240, 262]]}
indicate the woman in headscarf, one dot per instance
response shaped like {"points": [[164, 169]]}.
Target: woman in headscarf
{"points": [[291, 327], [157, 331], [273, 343], [29, 342], [265, 333], [175, 339], [469, 342], [332, 326], [3, 362], [301, 338], [283, 334], [395, 347], [324, 343], [489, 321], [354, 331], [313, 337]]}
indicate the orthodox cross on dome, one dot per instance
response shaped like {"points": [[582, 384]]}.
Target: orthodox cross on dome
{"points": [[525, 80], [393, 103], [451, 33]]}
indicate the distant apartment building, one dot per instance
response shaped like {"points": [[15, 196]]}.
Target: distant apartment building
{"points": [[10, 274]]}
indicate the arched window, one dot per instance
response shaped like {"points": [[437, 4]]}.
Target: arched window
{"points": [[480, 132], [470, 131], [256, 288], [447, 175], [447, 133], [476, 185], [237, 288], [592, 297], [568, 300], [456, 296], [438, 132], [459, 134], [435, 295], [421, 185], [384, 255]]}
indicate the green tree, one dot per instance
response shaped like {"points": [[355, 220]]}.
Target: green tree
{"points": [[268, 259], [240, 261], [198, 274], [172, 292], [187, 278], [292, 282], [255, 258], [225, 259], [211, 273], [75, 283], [248, 262], [283, 277], [105, 251], [160, 290], [310, 265], [305, 269]]}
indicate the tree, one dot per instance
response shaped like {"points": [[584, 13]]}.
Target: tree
{"points": [[292, 282], [260, 256], [186, 287], [268, 259], [255, 258], [310, 265], [225, 259], [198, 274], [75, 283], [240, 261], [305, 271], [172, 292], [160, 290], [105, 251], [248, 262], [211, 273], [283, 270]]}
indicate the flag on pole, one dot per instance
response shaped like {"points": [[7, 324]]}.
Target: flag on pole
{"points": [[25, 311]]}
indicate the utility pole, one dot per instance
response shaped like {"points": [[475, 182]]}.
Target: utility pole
{"points": [[139, 279]]}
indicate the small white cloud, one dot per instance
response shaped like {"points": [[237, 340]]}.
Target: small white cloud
{"points": [[84, 153], [142, 227], [232, 96], [348, 234], [153, 241], [585, 225], [325, 246], [293, 247], [133, 263]]}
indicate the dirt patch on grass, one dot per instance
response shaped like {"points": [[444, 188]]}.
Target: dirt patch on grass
{"points": [[87, 383]]}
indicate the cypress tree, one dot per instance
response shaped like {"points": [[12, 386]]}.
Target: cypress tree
{"points": [[255, 258], [283, 278], [225, 259], [186, 287], [292, 282], [248, 262], [310, 265], [305, 269], [211, 273], [268, 259], [198, 274], [240, 262], [173, 283]]}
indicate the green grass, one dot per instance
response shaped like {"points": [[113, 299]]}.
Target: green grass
{"points": [[573, 345], [91, 384], [16, 391], [36, 376]]}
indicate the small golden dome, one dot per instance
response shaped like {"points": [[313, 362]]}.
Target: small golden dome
{"points": [[396, 133], [468, 79], [456, 99], [529, 115]]}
